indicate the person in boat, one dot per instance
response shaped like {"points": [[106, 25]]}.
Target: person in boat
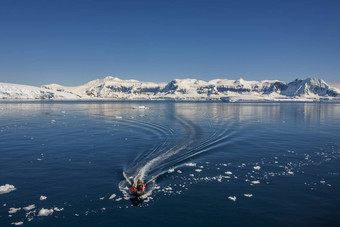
{"points": [[140, 186]]}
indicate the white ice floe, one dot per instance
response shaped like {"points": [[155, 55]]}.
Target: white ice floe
{"points": [[255, 182], [112, 196], [58, 209], [322, 182], [228, 173], [168, 188], [248, 195], [42, 197], [101, 198], [290, 172], [257, 167], [118, 199], [13, 210], [6, 188], [141, 107], [171, 170], [190, 164], [179, 171], [198, 170], [232, 198], [192, 175], [45, 212], [30, 207], [17, 223]]}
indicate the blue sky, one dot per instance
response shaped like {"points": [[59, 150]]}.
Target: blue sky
{"points": [[72, 42]]}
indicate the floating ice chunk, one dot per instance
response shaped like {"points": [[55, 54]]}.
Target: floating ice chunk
{"points": [[178, 171], [224, 164], [168, 188], [248, 195], [190, 164], [101, 198], [42, 197], [192, 175], [322, 182], [232, 198], [198, 170], [255, 182], [290, 172], [52, 121], [201, 167], [30, 207], [118, 199], [13, 210], [228, 173], [112, 196], [257, 167], [103, 209], [141, 107], [18, 223], [45, 212], [171, 170], [6, 188], [58, 209]]}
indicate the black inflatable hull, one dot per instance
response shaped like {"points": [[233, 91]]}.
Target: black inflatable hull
{"points": [[137, 193]]}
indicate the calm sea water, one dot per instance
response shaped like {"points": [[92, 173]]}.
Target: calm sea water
{"points": [[193, 156]]}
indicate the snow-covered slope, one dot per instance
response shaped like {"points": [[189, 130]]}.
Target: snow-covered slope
{"points": [[192, 89], [18, 91]]}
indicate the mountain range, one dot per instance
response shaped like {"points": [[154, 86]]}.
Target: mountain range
{"points": [[178, 89]]}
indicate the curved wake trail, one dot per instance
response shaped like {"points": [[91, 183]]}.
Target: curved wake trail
{"points": [[174, 150]]}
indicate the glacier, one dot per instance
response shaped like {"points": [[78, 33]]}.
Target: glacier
{"points": [[310, 89]]}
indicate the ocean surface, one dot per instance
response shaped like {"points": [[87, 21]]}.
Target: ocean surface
{"points": [[205, 163]]}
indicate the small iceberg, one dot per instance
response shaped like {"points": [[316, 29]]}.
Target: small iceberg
{"points": [[30, 207], [13, 210], [140, 107], [190, 164], [232, 198], [112, 196], [45, 212], [6, 188]]}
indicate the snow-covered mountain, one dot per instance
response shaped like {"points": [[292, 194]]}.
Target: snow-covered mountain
{"points": [[18, 91], [178, 89], [192, 89]]}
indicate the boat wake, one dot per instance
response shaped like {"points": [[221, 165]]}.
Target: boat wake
{"points": [[178, 146]]}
